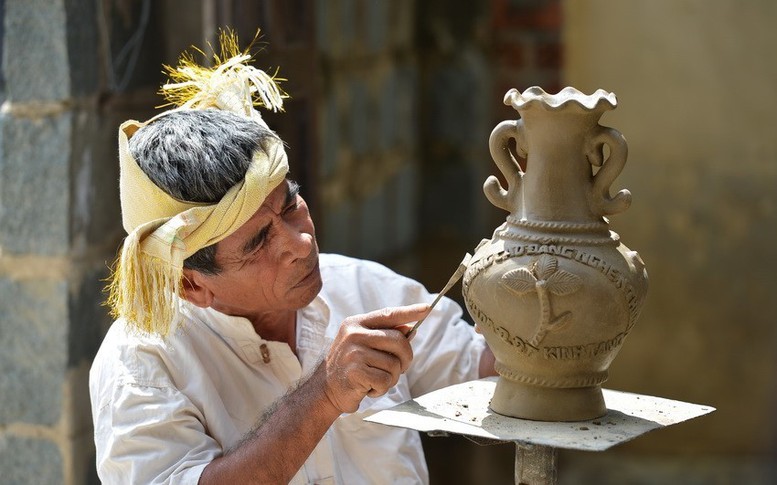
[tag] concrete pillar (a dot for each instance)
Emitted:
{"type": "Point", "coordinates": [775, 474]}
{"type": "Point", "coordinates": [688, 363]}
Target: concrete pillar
{"type": "Point", "coordinates": [53, 245]}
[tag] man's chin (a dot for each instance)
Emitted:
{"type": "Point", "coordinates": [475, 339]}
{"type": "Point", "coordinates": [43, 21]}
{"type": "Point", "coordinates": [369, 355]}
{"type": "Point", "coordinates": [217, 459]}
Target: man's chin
{"type": "Point", "coordinates": [310, 285]}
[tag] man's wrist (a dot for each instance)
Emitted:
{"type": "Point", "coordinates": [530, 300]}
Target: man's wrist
{"type": "Point", "coordinates": [320, 393]}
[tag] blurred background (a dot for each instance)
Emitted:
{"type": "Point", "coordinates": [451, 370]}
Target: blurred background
{"type": "Point", "coordinates": [391, 106]}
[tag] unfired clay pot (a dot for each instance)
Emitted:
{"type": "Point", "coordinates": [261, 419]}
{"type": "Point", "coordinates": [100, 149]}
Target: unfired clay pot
{"type": "Point", "coordinates": [554, 291]}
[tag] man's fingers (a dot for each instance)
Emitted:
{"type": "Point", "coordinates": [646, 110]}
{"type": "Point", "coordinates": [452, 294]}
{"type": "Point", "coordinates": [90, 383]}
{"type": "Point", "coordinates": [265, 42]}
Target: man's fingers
{"type": "Point", "coordinates": [369, 354]}
{"type": "Point", "coordinates": [394, 316]}
{"type": "Point", "coordinates": [390, 344]}
{"type": "Point", "coordinates": [383, 373]}
{"type": "Point", "coordinates": [405, 328]}
{"type": "Point", "coordinates": [381, 382]}
{"type": "Point", "coordinates": [374, 376]}
{"type": "Point", "coordinates": [384, 363]}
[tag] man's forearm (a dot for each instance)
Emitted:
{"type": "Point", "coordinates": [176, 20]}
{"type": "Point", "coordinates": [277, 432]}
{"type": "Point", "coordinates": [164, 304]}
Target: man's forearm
{"type": "Point", "coordinates": [278, 447]}
{"type": "Point", "coordinates": [366, 358]}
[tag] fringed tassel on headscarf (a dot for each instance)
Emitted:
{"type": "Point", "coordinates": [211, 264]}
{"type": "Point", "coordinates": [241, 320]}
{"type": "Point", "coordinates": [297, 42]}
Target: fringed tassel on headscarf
{"type": "Point", "coordinates": [145, 290]}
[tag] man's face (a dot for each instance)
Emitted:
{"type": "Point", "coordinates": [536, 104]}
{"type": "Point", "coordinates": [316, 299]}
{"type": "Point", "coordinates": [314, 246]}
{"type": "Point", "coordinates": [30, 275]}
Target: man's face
{"type": "Point", "coordinates": [270, 264]}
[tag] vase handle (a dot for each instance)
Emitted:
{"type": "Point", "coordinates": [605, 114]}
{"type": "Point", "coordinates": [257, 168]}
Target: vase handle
{"type": "Point", "coordinates": [599, 198]}
{"type": "Point", "coordinates": [499, 146]}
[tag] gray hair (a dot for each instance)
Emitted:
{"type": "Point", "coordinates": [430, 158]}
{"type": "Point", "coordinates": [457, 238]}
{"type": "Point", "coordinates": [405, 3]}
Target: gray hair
{"type": "Point", "coordinates": [197, 156]}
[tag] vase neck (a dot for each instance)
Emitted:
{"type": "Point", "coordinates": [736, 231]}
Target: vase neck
{"type": "Point", "coordinates": [558, 177]}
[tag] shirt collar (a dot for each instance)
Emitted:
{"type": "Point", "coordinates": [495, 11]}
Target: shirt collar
{"type": "Point", "coordinates": [312, 322]}
{"type": "Point", "coordinates": [312, 325]}
{"type": "Point", "coordinates": [238, 328]}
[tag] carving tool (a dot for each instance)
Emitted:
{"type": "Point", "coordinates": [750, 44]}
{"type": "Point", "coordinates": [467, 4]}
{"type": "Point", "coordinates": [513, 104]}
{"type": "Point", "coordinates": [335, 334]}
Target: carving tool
{"type": "Point", "coordinates": [452, 281]}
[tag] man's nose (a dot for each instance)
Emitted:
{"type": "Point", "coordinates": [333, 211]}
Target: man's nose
{"type": "Point", "coordinates": [295, 242]}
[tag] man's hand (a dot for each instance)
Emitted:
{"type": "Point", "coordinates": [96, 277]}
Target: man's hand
{"type": "Point", "coordinates": [369, 354]}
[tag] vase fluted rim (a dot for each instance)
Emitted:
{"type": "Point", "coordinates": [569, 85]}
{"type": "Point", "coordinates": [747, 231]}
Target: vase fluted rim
{"type": "Point", "coordinates": [600, 100]}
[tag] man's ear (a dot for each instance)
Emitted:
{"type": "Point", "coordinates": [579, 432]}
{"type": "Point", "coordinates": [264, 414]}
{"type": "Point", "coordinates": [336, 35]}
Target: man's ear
{"type": "Point", "coordinates": [196, 289]}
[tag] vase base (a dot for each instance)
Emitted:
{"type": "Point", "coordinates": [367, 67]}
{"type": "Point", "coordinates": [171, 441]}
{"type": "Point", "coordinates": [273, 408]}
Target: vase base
{"type": "Point", "coordinates": [525, 401]}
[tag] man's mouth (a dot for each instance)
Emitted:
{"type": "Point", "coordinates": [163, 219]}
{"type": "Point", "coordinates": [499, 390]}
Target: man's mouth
{"type": "Point", "coordinates": [309, 275]}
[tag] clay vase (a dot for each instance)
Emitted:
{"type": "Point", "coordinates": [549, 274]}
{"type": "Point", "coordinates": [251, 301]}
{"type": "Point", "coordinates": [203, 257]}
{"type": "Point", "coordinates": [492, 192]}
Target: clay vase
{"type": "Point", "coordinates": [554, 291]}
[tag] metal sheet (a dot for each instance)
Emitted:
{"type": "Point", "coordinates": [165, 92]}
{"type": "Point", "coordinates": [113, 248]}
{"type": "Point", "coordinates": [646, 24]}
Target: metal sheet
{"type": "Point", "coordinates": [463, 409]}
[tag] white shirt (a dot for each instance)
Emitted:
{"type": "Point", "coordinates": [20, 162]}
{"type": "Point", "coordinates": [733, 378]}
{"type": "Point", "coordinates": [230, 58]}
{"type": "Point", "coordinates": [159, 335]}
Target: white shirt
{"type": "Point", "coordinates": [163, 410]}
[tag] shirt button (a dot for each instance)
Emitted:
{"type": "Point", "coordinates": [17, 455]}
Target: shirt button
{"type": "Point", "coordinates": [265, 353]}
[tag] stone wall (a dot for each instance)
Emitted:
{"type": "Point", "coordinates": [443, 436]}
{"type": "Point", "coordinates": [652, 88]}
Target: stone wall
{"type": "Point", "coordinates": [59, 224]}
{"type": "Point", "coordinates": [51, 241]}
{"type": "Point", "coordinates": [695, 86]}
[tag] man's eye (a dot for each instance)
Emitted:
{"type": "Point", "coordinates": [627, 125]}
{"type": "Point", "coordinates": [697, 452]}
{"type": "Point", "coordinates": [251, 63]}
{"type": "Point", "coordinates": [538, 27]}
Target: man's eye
{"type": "Point", "coordinates": [254, 252]}
{"type": "Point", "coordinates": [260, 240]}
{"type": "Point", "coordinates": [291, 208]}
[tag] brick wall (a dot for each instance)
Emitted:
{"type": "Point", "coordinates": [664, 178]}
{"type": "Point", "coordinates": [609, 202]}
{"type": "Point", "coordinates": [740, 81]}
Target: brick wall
{"type": "Point", "coordinates": [50, 239]}
{"type": "Point", "coordinates": [527, 47]}
{"type": "Point", "coordinates": [59, 225]}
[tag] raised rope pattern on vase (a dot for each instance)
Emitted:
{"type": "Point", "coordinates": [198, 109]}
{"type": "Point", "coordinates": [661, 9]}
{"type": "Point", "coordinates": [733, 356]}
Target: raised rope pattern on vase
{"type": "Point", "coordinates": [613, 240]}
{"type": "Point", "coordinates": [587, 381]}
{"type": "Point", "coordinates": [574, 226]}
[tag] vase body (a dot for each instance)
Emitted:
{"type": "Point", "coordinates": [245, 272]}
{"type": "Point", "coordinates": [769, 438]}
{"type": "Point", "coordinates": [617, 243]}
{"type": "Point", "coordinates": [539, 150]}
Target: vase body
{"type": "Point", "coordinates": [554, 291]}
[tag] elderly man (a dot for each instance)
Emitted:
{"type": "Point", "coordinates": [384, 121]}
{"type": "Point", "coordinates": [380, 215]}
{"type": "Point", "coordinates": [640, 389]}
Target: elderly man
{"type": "Point", "coordinates": [240, 354]}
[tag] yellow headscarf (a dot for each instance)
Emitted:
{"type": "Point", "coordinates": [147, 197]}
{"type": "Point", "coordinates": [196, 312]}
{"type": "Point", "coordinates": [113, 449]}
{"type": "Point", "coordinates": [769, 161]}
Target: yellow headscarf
{"type": "Point", "coordinates": [145, 287]}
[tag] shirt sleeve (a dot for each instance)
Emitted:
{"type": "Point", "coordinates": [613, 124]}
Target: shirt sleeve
{"type": "Point", "coordinates": [146, 430]}
{"type": "Point", "coordinates": [150, 434]}
{"type": "Point", "coordinates": [446, 350]}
